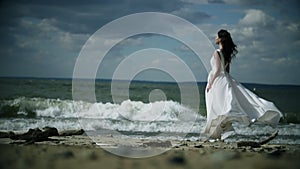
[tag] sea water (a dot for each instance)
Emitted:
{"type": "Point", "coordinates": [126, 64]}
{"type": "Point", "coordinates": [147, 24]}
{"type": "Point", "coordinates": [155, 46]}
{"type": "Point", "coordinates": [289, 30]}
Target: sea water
{"type": "Point", "coordinates": [29, 103]}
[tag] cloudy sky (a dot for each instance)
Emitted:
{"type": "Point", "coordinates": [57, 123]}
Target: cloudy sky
{"type": "Point", "coordinates": [44, 38]}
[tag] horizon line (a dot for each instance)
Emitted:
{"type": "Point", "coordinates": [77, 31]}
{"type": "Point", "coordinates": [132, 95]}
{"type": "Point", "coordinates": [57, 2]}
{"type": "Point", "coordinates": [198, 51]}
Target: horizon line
{"type": "Point", "coordinates": [146, 81]}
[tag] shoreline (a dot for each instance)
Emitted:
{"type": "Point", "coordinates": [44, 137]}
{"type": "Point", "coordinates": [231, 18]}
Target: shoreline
{"type": "Point", "coordinates": [80, 151]}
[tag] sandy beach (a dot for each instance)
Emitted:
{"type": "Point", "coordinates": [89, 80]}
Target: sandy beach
{"type": "Point", "coordinates": [80, 151]}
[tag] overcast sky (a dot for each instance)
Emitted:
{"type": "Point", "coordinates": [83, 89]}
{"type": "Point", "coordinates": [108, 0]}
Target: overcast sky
{"type": "Point", "coordinates": [44, 38]}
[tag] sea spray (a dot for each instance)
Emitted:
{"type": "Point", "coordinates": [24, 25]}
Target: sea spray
{"type": "Point", "coordinates": [160, 116]}
{"type": "Point", "coordinates": [130, 118]}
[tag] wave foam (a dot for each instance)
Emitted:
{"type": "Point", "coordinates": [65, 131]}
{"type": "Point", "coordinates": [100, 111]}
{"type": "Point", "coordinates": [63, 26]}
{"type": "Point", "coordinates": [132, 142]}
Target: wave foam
{"type": "Point", "coordinates": [160, 116]}
{"type": "Point", "coordinates": [130, 110]}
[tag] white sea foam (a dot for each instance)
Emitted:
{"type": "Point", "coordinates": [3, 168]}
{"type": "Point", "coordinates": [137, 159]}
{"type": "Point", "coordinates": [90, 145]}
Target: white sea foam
{"type": "Point", "coordinates": [160, 116]}
{"type": "Point", "coordinates": [137, 111]}
{"type": "Point", "coordinates": [131, 110]}
{"type": "Point", "coordinates": [130, 116]}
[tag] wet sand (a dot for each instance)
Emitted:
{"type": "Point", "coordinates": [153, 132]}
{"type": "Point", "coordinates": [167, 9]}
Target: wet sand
{"type": "Point", "coordinates": [78, 152]}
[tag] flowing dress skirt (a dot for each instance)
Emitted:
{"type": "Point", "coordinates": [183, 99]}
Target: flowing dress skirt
{"type": "Point", "coordinates": [228, 101]}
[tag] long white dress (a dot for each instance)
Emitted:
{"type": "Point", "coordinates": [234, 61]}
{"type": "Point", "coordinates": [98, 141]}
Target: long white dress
{"type": "Point", "coordinates": [228, 101]}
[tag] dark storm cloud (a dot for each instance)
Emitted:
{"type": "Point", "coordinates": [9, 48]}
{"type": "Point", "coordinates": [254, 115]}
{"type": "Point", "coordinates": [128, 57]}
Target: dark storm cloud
{"type": "Point", "coordinates": [192, 16]}
{"type": "Point", "coordinates": [80, 16]}
{"type": "Point", "coordinates": [46, 36]}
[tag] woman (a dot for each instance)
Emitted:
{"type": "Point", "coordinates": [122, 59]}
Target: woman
{"type": "Point", "coordinates": [227, 100]}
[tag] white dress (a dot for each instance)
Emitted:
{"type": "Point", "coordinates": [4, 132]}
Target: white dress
{"type": "Point", "coordinates": [228, 101]}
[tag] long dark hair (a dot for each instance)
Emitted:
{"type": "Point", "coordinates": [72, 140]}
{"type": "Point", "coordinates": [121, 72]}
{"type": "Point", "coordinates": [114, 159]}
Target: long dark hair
{"type": "Point", "coordinates": [229, 48]}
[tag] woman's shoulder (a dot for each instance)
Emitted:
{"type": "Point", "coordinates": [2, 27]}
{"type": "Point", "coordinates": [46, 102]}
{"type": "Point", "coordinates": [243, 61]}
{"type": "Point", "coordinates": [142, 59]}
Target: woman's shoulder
{"type": "Point", "coordinates": [216, 52]}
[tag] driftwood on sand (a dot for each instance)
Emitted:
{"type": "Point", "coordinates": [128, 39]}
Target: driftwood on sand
{"type": "Point", "coordinates": [38, 135]}
{"type": "Point", "coordinates": [71, 132]}
{"type": "Point", "coordinates": [257, 144]}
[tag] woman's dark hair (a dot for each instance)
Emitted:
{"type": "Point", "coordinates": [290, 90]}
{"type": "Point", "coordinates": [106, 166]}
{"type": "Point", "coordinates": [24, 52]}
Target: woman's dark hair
{"type": "Point", "coordinates": [229, 48]}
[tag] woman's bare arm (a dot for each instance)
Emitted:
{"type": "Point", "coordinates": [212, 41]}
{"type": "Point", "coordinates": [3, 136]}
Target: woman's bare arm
{"type": "Point", "coordinates": [217, 70]}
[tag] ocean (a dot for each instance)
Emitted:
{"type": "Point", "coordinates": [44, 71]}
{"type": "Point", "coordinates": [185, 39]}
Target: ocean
{"type": "Point", "coordinates": [38, 102]}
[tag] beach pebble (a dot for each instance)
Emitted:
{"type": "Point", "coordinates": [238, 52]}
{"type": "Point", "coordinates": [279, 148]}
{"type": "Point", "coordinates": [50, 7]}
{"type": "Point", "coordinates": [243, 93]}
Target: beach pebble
{"type": "Point", "coordinates": [158, 144]}
{"type": "Point", "coordinates": [183, 144]}
{"type": "Point", "coordinates": [248, 148]}
{"type": "Point", "coordinates": [198, 146]}
{"type": "Point", "coordinates": [217, 146]}
{"type": "Point", "coordinates": [177, 160]}
{"type": "Point", "coordinates": [231, 147]}
{"type": "Point", "coordinates": [258, 149]}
